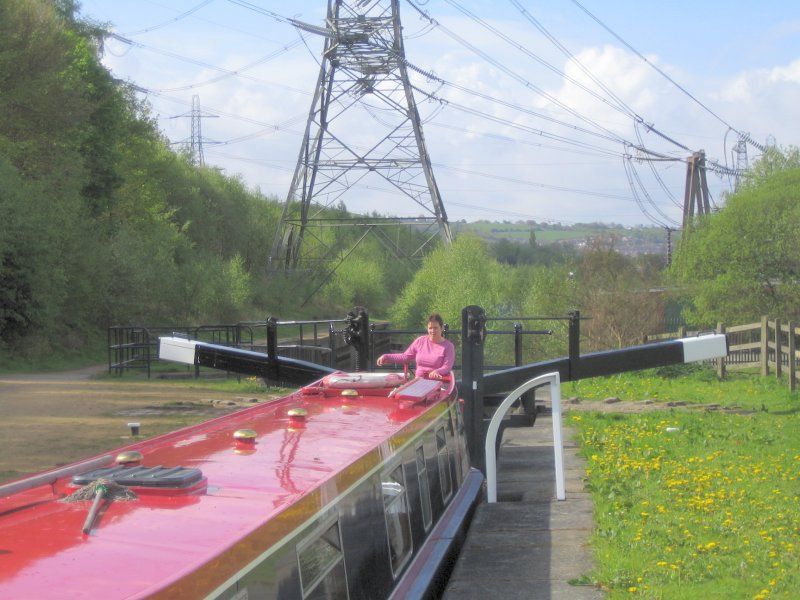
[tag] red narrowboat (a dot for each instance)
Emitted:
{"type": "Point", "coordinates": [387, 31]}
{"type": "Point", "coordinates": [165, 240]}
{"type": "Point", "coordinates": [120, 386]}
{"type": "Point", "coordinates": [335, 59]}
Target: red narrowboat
{"type": "Point", "coordinates": [355, 486]}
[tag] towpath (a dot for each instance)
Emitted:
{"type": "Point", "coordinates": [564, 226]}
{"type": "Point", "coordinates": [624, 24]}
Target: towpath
{"type": "Point", "coordinates": [529, 545]}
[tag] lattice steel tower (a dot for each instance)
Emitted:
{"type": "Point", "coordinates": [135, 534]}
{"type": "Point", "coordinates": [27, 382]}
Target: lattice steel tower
{"type": "Point", "coordinates": [740, 157]}
{"type": "Point", "coordinates": [363, 129]}
{"type": "Point", "coordinates": [196, 140]}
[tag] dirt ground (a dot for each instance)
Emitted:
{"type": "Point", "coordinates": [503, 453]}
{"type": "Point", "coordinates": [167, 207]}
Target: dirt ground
{"type": "Point", "coordinates": [47, 420]}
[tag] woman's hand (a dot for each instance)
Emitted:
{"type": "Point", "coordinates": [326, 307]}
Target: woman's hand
{"type": "Point", "coordinates": [434, 375]}
{"type": "Point", "coordinates": [380, 362]}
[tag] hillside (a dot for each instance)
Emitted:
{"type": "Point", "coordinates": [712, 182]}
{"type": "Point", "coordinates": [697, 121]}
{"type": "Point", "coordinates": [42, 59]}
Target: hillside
{"type": "Point", "coordinates": [634, 240]}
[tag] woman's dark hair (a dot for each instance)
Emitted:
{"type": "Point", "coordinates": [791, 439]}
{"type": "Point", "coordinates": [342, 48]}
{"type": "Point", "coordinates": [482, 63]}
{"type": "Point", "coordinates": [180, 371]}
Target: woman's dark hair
{"type": "Point", "coordinates": [436, 317]}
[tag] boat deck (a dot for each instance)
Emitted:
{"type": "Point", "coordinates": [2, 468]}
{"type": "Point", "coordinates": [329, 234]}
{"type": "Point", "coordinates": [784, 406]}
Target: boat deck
{"type": "Point", "coordinates": [297, 466]}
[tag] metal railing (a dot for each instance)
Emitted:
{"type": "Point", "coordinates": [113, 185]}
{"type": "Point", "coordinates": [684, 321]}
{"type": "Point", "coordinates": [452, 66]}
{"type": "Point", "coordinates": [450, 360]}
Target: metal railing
{"type": "Point", "coordinates": [318, 341]}
{"type": "Point", "coordinates": [381, 342]}
{"type": "Point", "coordinates": [490, 444]}
{"type": "Point", "coordinates": [136, 347]}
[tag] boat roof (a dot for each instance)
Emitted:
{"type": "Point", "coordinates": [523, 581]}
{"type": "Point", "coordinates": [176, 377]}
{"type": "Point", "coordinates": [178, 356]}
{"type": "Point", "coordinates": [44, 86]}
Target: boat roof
{"type": "Point", "coordinates": [143, 547]}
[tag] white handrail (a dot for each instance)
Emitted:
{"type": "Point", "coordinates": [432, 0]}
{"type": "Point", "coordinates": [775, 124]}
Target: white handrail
{"type": "Point", "coordinates": [494, 425]}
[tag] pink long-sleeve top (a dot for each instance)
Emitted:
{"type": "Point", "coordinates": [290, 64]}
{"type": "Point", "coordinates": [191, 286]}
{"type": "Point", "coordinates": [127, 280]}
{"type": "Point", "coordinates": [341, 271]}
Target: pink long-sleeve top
{"type": "Point", "coordinates": [429, 356]}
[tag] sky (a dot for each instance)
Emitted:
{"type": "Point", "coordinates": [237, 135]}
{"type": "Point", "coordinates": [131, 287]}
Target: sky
{"type": "Point", "coordinates": [734, 66]}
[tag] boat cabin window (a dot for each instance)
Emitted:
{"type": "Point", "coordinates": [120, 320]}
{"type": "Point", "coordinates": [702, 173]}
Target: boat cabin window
{"type": "Point", "coordinates": [424, 489]}
{"type": "Point", "coordinates": [444, 464]}
{"type": "Point", "coordinates": [322, 574]}
{"type": "Point", "coordinates": [398, 525]}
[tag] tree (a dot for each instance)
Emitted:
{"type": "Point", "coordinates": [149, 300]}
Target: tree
{"type": "Point", "coordinates": [450, 279]}
{"type": "Point", "coordinates": [744, 261]}
{"type": "Point", "coordinates": [543, 292]}
{"type": "Point", "coordinates": [616, 293]}
{"type": "Point", "coordinates": [771, 162]}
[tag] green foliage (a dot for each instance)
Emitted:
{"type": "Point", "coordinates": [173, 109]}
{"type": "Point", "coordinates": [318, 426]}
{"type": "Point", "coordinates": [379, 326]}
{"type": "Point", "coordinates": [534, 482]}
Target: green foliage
{"type": "Point", "coordinates": [357, 283]}
{"type": "Point", "coordinates": [773, 161]}
{"type": "Point", "coordinates": [615, 291]}
{"type": "Point", "coordinates": [695, 505]}
{"type": "Point", "coordinates": [104, 224]}
{"type": "Point", "coordinates": [744, 261]}
{"type": "Point", "coordinates": [513, 253]}
{"type": "Point", "coordinates": [542, 292]}
{"type": "Point", "coordinates": [693, 384]}
{"type": "Point", "coordinates": [450, 279]}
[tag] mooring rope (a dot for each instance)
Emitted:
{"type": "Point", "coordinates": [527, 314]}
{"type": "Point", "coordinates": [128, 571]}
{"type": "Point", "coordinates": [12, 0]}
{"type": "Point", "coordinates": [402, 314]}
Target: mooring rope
{"type": "Point", "coordinates": [97, 491]}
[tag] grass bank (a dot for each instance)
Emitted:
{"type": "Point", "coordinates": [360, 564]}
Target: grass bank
{"type": "Point", "coordinates": [44, 358]}
{"type": "Point", "coordinates": [694, 504]}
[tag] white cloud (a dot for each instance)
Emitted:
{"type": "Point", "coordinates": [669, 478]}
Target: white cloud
{"type": "Point", "coordinates": [760, 101]}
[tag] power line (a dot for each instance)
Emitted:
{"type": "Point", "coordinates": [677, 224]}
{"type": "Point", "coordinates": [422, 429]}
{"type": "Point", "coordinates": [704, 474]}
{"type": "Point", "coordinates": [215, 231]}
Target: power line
{"type": "Point", "coordinates": [515, 76]}
{"type": "Point", "coordinates": [196, 17]}
{"type": "Point", "coordinates": [239, 71]}
{"type": "Point", "coordinates": [637, 199]}
{"type": "Point", "coordinates": [609, 134]}
{"type": "Point", "coordinates": [663, 74]}
{"type": "Point", "coordinates": [621, 107]}
{"type": "Point", "coordinates": [546, 186]}
{"type": "Point", "coordinates": [216, 111]}
{"type": "Point", "coordinates": [200, 63]}
{"type": "Point", "coordinates": [658, 178]}
{"type": "Point", "coordinates": [183, 15]}
{"type": "Point", "coordinates": [263, 11]}
{"type": "Point", "coordinates": [667, 220]}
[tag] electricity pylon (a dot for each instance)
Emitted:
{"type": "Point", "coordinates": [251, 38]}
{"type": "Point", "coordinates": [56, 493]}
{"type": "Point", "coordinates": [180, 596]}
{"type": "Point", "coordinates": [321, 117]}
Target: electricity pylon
{"type": "Point", "coordinates": [696, 196]}
{"type": "Point", "coordinates": [196, 146]}
{"type": "Point", "coordinates": [196, 138]}
{"type": "Point", "coordinates": [740, 157]}
{"type": "Point", "coordinates": [363, 131]}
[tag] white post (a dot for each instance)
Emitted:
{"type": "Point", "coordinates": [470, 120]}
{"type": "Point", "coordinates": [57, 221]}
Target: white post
{"type": "Point", "coordinates": [494, 426]}
{"type": "Point", "coordinates": [558, 441]}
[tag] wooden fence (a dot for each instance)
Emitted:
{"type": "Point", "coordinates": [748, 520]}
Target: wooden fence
{"type": "Point", "coordinates": [770, 345]}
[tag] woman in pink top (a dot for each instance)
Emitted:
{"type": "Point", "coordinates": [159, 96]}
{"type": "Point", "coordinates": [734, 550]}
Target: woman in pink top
{"type": "Point", "coordinates": [433, 355]}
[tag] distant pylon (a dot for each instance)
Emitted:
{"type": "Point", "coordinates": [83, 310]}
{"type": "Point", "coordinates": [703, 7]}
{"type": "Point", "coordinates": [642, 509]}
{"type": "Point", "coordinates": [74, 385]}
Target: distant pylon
{"type": "Point", "coordinates": [740, 158]}
{"type": "Point", "coordinates": [196, 146]}
{"type": "Point", "coordinates": [196, 138]}
{"type": "Point", "coordinates": [363, 130]}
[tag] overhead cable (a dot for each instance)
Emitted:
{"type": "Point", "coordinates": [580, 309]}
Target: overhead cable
{"type": "Point", "coordinates": [517, 77]}
{"type": "Point", "coordinates": [183, 15]}
{"type": "Point", "coordinates": [626, 164]}
{"type": "Point", "coordinates": [667, 221]}
{"type": "Point", "coordinates": [546, 186]}
{"type": "Point", "coordinates": [200, 63]}
{"type": "Point", "coordinates": [620, 106]}
{"type": "Point", "coordinates": [261, 10]}
{"type": "Point", "coordinates": [623, 106]}
{"type": "Point", "coordinates": [657, 176]}
{"type": "Point", "coordinates": [239, 71]}
{"type": "Point", "coordinates": [667, 77]}
{"type": "Point", "coordinates": [518, 126]}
